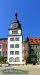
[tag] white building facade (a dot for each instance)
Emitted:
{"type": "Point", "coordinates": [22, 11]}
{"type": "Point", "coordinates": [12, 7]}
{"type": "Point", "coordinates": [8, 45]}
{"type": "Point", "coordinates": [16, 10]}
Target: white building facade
{"type": "Point", "coordinates": [15, 43]}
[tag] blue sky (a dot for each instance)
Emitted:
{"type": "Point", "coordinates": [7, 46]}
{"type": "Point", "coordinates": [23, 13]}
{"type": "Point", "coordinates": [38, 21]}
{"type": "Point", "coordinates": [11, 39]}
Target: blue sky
{"type": "Point", "coordinates": [28, 15]}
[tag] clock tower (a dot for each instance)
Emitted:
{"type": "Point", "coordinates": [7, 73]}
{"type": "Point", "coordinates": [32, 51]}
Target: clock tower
{"type": "Point", "coordinates": [15, 42]}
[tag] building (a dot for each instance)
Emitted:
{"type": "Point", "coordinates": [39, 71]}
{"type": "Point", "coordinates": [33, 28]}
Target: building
{"type": "Point", "coordinates": [25, 50]}
{"type": "Point", "coordinates": [34, 43]}
{"type": "Point", "coordinates": [15, 42]}
{"type": "Point", "coordinates": [18, 51]}
{"type": "Point", "coordinates": [3, 47]}
{"type": "Point", "coordinates": [33, 51]}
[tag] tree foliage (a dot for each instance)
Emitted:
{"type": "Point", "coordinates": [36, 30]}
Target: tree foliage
{"type": "Point", "coordinates": [1, 58]}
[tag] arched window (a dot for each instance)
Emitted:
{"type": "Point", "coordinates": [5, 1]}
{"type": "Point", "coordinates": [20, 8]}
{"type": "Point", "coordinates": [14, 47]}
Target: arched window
{"type": "Point", "coordinates": [17, 59]}
{"type": "Point", "coordinates": [11, 59]}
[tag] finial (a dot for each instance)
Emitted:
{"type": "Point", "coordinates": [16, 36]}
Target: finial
{"type": "Point", "coordinates": [16, 15]}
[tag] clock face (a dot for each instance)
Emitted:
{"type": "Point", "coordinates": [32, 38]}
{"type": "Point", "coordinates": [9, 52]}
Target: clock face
{"type": "Point", "coordinates": [15, 25]}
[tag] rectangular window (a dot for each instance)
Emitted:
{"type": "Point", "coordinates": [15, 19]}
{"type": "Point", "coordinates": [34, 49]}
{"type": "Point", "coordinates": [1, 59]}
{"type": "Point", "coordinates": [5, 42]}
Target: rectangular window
{"type": "Point", "coordinates": [36, 46]}
{"type": "Point", "coordinates": [32, 46]}
{"type": "Point", "coordinates": [0, 46]}
{"type": "Point", "coordinates": [17, 52]}
{"type": "Point", "coordinates": [4, 53]}
{"type": "Point", "coordinates": [16, 45]}
{"type": "Point", "coordinates": [33, 53]}
{"type": "Point", "coordinates": [5, 40]}
{"type": "Point", "coordinates": [25, 52]}
{"type": "Point", "coordinates": [5, 46]}
{"type": "Point", "coordinates": [0, 40]}
{"type": "Point", "coordinates": [31, 39]}
{"type": "Point", "coordinates": [35, 39]}
{"type": "Point", "coordinates": [16, 39]}
{"type": "Point", "coordinates": [33, 59]}
{"type": "Point", "coordinates": [11, 39]}
{"type": "Point", "coordinates": [0, 52]}
{"type": "Point", "coordinates": [37, 53]}
{"type": "Point", "coordinates": [11, 52]}
{"type": "Point", "coordinates": [14, 32]}
{"type": "Point", "coordinates": [11, 45]}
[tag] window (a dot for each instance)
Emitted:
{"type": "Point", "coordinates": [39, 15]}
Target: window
{"type": "Point", "coordinates": [37, 53]}
{"type": "Point", "coordinates": [32, 46]}
{"type": "Point", "coordinates": [12, 46]}
{"type": "Point", "coordinates": [0, 46]}
{"type": "Point", "coordinates": [11, 52]}
{"type": "Point", "coordinates": [4, 53]}
{"type": "Point", "coordinates": [0, 52]}
{"type": "Point", "coordinates": [33, 59]}
{"type": "Point", "coordinates": [33, 53]}
{"type": "Point", "coordinates": [11, 59]}
{"type": "Point", "coordinates": [16, 39]}
{"type": "Point", "coordinates": [14, 32]}
{"type": "Point", "coordinates": [35, 39]}
{"type": "Point", "coordinates": [0, 40]}
{"type": "Point", "coordinates": [11, 39]}
{"type": "Point", "coordinates": [36, 46]}
{"type": "Point", "coordinates": [17, 52]}
{"type": "Point", "coordinates": [5, 40]}
{"type": "Point", "coordinates": [31, 39]}
{"type": "Point", "coordinates": [16, 45]}
{"type": "Point", "coordinates": [5, 46]}
{"type": "Point", "coordinates": [17, 59]}
{"type": "Point", "coordinates": [25, 52]}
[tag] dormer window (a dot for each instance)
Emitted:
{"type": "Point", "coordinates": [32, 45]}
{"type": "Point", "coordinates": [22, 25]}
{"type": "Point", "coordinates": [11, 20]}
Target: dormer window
{"type": "Point", "coordinates": [35, 39]}
{"type": "Point", "coordinates": [31, 39]}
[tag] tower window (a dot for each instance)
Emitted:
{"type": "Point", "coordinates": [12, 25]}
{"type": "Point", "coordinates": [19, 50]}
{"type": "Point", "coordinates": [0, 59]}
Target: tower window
{"type": "Point", "coordinates": [17, 52]}
{"type": "Point", "coordinates": [11, 59]}
{"type": "Point", "coordinates": [11, 52]}
{"type": "Point", "coordinates": [14, 32]}
{"type": "Point", "coordinates": [16, 45]}
{"type": "Point", "coordinates": [11, 45]}
{"type": "Point", "coordinates": [11, 39]}
{"type": "Point", "coordinates": [17, 59]}
{"type": "Point", "coordinates": [16, 39]}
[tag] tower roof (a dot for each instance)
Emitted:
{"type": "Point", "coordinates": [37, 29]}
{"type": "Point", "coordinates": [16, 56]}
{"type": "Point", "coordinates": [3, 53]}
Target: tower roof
{"type": "Point", "coordinates": [15, 23]}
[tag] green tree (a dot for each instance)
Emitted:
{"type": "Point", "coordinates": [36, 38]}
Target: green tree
{"type": "Point", "coordinates": [1, 58]}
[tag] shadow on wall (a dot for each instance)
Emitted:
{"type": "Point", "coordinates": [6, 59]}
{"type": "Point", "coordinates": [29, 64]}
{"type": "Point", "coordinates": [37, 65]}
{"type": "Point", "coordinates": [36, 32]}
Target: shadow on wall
{"type": "Point", "coordinates": [32, 59]}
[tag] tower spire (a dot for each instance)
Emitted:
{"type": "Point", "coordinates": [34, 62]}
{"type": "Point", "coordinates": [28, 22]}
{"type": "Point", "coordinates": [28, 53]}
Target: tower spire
{"type": "Point", "coordinates": [16, 15]}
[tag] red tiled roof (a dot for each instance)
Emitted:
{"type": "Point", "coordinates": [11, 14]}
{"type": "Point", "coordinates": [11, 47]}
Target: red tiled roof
{"type": "Point", "coordinates": [34, 40]}
{"type": "Point", "coordinates": [3, 38]}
